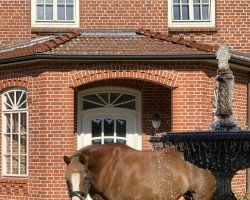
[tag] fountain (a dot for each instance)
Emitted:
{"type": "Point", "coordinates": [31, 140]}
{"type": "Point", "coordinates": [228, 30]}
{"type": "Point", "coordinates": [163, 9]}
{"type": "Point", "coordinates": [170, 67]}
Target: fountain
{"type": "Point", "coordinates": [223, 150]}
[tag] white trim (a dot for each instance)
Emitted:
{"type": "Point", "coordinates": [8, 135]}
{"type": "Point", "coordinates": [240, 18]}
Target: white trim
{"type": "Point", "coordinates": [135, 139]}
{"type": "Point", "coordinates": [54, 23]}
{"type": "Point", "coordinates": [191, 23]}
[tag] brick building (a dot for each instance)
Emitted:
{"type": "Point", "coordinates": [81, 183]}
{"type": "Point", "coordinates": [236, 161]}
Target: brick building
{"type": "Point", "coordinates": [77, 72]}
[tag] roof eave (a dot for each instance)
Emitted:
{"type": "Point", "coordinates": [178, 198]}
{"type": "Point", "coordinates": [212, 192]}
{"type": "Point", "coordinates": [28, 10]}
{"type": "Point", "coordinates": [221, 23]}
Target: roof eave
{"type": "Point", "coordinates": [235, 62]}
{"type": "Point", "coordinates": [38, 56]}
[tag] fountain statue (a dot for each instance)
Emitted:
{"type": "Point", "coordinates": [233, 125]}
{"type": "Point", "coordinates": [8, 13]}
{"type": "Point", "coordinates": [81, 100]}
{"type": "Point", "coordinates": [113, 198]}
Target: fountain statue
{"type": "Point", "coordinates": [225, 148]}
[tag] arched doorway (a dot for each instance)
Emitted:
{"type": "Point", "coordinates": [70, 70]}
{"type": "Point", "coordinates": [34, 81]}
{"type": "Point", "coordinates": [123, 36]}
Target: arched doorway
{"type": "Point", "coordinates": [109, 115]}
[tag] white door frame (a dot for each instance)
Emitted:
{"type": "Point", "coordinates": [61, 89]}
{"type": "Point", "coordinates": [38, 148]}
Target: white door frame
{"type": "Point", "coordinates": [133, 117]}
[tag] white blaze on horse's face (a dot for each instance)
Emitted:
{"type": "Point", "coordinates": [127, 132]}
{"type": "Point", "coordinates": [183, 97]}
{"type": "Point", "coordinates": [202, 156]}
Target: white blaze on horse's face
{"type": "Point", "coordinates": [75, 181]}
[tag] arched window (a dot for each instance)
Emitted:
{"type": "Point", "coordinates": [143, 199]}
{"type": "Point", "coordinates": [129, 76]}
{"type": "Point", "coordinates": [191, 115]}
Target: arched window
{"type": "Point", "coordinates": [15, 132]}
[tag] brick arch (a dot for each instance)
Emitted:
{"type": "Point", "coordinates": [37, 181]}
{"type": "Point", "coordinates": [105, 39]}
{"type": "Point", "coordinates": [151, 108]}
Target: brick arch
{"type": "Point", "coordinates": [16, 78]}
{"type": "Point", "coordinates": [145, 73]}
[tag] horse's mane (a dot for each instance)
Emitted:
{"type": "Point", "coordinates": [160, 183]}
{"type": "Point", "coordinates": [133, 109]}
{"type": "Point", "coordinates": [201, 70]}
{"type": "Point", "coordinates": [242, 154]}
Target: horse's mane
{"type": "Point", "coordinates": [84, 150]}
{"type": "Point", "coordinates": [87, 149]}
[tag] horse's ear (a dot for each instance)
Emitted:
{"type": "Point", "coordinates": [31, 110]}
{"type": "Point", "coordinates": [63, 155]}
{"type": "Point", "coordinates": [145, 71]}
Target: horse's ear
{"type": "Point", "coordinates": [82, 159]}
{"type": "Point", "coordinates": [66, 159]}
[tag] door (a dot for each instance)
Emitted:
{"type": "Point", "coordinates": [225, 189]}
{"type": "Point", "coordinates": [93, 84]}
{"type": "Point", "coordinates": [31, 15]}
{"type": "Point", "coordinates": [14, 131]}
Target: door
{"type": "Point", "coordinates": [109, 117]}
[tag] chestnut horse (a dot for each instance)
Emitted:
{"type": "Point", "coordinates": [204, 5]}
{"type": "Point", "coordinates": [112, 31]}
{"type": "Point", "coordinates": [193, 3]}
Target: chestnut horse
{"type": "Point", "coordinates": [118, 172]}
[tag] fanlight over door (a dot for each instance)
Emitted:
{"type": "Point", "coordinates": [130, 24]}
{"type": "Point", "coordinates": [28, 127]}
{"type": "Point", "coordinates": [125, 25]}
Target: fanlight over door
{"type": "Point", "coordinates": [109, 117]}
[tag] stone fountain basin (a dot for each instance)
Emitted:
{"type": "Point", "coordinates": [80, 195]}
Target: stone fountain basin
{"type": "Point", "coordinates": [218, 151]}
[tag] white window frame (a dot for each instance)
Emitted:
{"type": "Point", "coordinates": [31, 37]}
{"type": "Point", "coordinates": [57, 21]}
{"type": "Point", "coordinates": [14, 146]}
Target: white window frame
{"type": "Point", "coordinates": [55, 23]}
{"type": "Point", "coordinates": [135, 140]}
{"type": "Point", "coordinates": [191, 23]}
{"type": "Point", "coordinates": [4, 143]}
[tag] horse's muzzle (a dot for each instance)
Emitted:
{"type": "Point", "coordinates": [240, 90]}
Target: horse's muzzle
{"type": "Point", "coordinates": [79, 194]}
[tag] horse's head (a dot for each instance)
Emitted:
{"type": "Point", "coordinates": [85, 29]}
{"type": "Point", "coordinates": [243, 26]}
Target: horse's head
{"type": "Point", "coordinates": [77, 177]}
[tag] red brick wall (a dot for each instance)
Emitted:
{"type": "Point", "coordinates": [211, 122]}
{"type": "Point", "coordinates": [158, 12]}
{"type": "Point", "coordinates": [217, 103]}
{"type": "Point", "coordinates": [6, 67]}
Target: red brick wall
{"type": "Point", "coordinates": [232, 20]}
{"type": "Point", "coordinates": [15, 24]}
{"type": "Point", "coordinates": [52, 114]}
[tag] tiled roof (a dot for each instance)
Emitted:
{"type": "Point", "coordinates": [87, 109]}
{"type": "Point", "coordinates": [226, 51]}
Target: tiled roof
{"type": "Point", "coordinates": [142, 42]}
{"type": "Point", "coordinates": [31, 49]}
{"type": "Point", "coordinates": [177, 40]}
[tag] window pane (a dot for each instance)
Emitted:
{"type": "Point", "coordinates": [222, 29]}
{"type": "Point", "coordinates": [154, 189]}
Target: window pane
{"type": "Point", "coordinates": [61, 12]}
{"type": "Point", "coordinates": [97, 141]}
{"type": "Point", "coordinates": [104, 96]}
{"type": "Point", "coordinates": [23, 119]}
{"type": "Point", "coordinates": [40, 1]}
{"type": "Point", "coordinates": [108, 127]}
{"type": "Point", "coordinates": [49, 1]}
{"type": "Point", "coordinates": [15, 123]}
{"type": "Point", "coordinates": [15, 161]}
{"type": "Point", "coordinates": [108, 141]}
{"type": "Point", "coordinates": [197, 14]}
{"type": "Point", "coordinates": [7, 157]}
{"type": "Point", "coordinates": [124, 98]}
{"type": "Point", "coordinates": [96, 127]}
{"type": "Point", "coordinates": [205, 1]}
{"type": "Point", "coordinates": [69, 1]}
{"type": "Point", "coordinates": [69, 13]}
{"type": "Point", "coordinates": [177, 15]}
{"type": "Point", "coordinates": [23, 144]}
{"type": "Point", "coordinates": [87, 105]}
{"type": "Point", "coordinates": [130, 105]}
{"type": "Point", "coordinates": [184, 1]}
{"type": "Point", "coordinates": [11, 98]}
{"type": "Point", "coordinates": [23, 101]}
{"type": "Point", "coordinates": [92, 97]}
{"type": "Point", "coordinates": [121, 141]}
{"type": "Point", "coordinates": [8, 123]}
{"type": "Point", "coordinates": [23, 164]}
{"type": "Point", "coordinates": [185, 13]}
{"type": "Point", "coordinates": [61, 1]}
{"type": "Point", "coordinates": [15, 142]}
{"type": "Point", "coordinates": [49, 12]}
{"type": "Point", "coordinates": [176, 1]}
{"type": "Point", "coordinates": [40, 13]}
{"type": "Point", "coordinates": [121, 128]}
{"type": "Point", "coordinates": [196, 1]}
{"type": "Point", "coordinates": [113, 96]}
{"type": "Point", "coordinates": [205, 12]}
{"type": "Point", "coordinates": [8, 143]}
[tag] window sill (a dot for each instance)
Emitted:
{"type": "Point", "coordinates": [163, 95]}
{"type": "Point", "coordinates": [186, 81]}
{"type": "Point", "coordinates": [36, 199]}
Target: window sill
{"type": "Point", "coordinates": [14, 180]}
{"type": "Point", "coordinates": [211, 30]}
{"type": "Point", "coordinates": [50, 31]}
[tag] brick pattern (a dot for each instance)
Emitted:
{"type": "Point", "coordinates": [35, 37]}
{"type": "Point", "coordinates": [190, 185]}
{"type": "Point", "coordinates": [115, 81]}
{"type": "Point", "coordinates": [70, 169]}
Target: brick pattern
{"type": "Point", "coordinates": [14, 189]}
{"type": "Point", "coordinates": [15, 23]}
{"type": "Point", "coordinates": [143, 72]}
{"type": "Point", "coordinates": [232, 21]}
{"type": "Point", "coordinates": [52, 114]}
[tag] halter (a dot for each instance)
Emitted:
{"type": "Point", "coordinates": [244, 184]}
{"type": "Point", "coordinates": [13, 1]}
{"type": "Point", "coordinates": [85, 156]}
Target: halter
{"type": "Point", "coordinates": [79, 194]}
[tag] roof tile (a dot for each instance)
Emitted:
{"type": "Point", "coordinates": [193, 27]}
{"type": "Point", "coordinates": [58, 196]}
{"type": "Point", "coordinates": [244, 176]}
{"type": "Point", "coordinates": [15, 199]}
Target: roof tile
{"type": "Point", "coordinates": [178, 40]}
{"type": "Point", "coordinates": [144, 42]}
